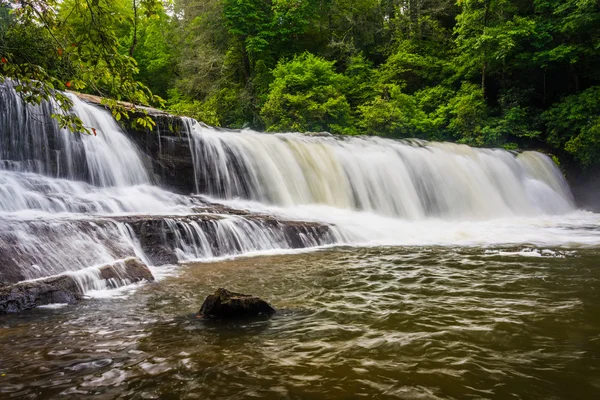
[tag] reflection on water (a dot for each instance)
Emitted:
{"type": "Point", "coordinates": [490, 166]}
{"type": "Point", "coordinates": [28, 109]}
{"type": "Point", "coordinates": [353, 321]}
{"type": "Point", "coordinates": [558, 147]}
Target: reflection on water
{"type": "Point", "coordinates": [355, 323]}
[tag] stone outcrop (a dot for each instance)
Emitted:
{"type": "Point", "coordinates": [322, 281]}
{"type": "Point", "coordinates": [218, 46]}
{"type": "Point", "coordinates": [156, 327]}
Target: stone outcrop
{"type": "Point", "coordinates": [585, 187]}
{"type": "Point", "coordinates": [70, 288]}
{"type": "Point", "coordinates": [224, 304]}
{"type": "Point", "coordinates": [124, 272]}
{"type": "Point", "coordinates": [158, 236]}
{"type": "Point", "coordinates": [30, 294]}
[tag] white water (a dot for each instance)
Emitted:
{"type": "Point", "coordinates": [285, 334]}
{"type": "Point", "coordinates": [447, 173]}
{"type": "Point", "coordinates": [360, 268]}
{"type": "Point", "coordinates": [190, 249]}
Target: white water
{"type": "Point", "coordinates": [407, 179]}
{"type": "Point", "coordinates": [59, 191]}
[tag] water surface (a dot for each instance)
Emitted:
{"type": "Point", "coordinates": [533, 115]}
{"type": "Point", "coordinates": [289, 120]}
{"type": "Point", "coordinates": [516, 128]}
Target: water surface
{"type": "Point", "coordinates": [387, 322]}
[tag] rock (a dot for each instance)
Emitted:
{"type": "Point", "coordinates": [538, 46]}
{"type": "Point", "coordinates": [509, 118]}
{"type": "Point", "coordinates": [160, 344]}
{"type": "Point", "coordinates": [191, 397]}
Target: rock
{"type": "Point", "coordinates": [30, 294]}
{"type": "Point", "coordinates": [131, 269]}
{"type": "Point", "coordinates": [229, 305]}
{"type": "Point", "coordinates": [70, 288]}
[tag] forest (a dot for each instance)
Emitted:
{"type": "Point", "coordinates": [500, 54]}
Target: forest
{"type": "Point", "coordinates": [517, 74]}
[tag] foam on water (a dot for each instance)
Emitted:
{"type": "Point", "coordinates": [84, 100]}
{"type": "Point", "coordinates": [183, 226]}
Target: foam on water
{"type": "Point", "coordinates": [576, 228]}
{"type": "Point", "coordinates": [53, 306]}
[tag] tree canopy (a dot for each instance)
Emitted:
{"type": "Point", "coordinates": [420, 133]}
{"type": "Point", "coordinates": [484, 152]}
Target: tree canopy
{"type": "Point", "coordinates": [510, 73]}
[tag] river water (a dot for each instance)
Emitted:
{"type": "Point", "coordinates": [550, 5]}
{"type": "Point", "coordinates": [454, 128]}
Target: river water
{"type": "Point", "coordinates": [380, 322]}
{"type": "Point", "coordinates": [445, 272]}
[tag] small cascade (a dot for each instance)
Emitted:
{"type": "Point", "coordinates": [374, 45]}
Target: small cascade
{"type": "Point", "coordinates": [23, 191]}
{"type": "Point", "coordinates": [31, 141]}
{"type": "Point", "coordinates": [408, 179]}
{"type": "Point", "coordinates": [35, 248]}
{"type": "Point", "coordinates": [234, 235]}
{"type": "Point", "coordinates": [39, 247]}
{"type": "Point", "coordinates": [112, 159]}
{"type": "Point", "coordinates": [117, 274]}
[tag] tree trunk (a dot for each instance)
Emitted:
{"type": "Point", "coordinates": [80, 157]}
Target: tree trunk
{"type": "Point", "coordinates": [246, 61]}
{"type": "Point", "coordinates": [484, 68]}
{"type": "Point", "coordinates": [134, 41]}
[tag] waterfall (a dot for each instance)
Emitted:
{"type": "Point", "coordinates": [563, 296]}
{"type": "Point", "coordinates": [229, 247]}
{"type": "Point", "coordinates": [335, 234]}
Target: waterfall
{"type": "Point", "coordinates": [33, 142]}
{"type": "Point", "coordinates": [70, 201]}
{"type": "Point", "coordinates": [408, 179]}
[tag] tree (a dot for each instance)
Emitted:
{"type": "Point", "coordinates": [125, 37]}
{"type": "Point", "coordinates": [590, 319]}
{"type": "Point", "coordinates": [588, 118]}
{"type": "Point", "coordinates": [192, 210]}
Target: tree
{"type": "Point", "coordinates": [394, 114]}
{"type": "Point", "coordinates": [307, 95]}
{"type": "Point", "coordinates": [574, 124]}
{"type": "Point", "coordinates": [83, 36]}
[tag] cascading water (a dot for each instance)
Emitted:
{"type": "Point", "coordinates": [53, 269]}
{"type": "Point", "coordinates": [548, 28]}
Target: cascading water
{"type": "Point", "coordinates": [33, 142]}
{"type": "Point", "coordinates": [407, 179]}
{"type": "Point", "coordinates": [70, 201]}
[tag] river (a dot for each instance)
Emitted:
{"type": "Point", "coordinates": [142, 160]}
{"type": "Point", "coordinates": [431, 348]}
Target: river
{"type": "Point", "coordinates": [382, 322]}
{"type": "Point", "coordinates": [400, 268]}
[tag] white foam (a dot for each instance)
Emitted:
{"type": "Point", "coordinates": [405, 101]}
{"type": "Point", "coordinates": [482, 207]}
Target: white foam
{"type": "Point", "coordinates": [53, 306]}
{"type": "Point", "coordinates": [260, 253]}
{"type": "Point", "coordinates": [115, 293]}
{"type": "Point", "coordinates": [577, 228]}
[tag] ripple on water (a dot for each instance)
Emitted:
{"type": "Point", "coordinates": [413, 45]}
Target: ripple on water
{"type": "Point", "coordinates": [374, 323]}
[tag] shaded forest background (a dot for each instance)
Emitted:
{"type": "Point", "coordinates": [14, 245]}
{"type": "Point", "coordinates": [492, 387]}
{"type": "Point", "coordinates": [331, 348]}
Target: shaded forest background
{"type": "Point", "coordinates": [495, 73]}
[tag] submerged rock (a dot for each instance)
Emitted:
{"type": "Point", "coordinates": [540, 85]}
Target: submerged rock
{"type": "Point", "coordinates": [70, 288]}
{"type": "Point", "coordinates": [224, 304]}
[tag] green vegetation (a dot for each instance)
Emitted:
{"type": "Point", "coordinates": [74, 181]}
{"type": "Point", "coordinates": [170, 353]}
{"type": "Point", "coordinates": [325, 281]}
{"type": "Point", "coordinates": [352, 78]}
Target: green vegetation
{"type": "Point", "coordinates": [509, 73]}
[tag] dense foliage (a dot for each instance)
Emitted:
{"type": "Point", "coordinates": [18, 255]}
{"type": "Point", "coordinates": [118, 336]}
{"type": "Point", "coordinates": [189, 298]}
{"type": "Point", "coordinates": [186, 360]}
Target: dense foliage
{"type": "Point", "coordinates": [511, 73]}
{"type": "Point", "coordinates": [84, 45]}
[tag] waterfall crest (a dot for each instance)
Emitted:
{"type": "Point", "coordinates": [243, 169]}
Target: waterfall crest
{"type": "Point", "coordinates": [407, 179]}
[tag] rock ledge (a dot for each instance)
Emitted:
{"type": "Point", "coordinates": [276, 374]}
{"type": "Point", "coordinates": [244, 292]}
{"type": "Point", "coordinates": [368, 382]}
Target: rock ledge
{"type": "Point", "coordinates": [71, 287]}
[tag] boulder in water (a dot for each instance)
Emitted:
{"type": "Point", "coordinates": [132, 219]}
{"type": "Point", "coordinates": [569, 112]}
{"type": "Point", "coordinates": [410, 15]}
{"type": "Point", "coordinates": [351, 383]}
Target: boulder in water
{"type": "Point", "coordinates": [29, 294]}
{"type": "Point", "coordinates": [224, 304]}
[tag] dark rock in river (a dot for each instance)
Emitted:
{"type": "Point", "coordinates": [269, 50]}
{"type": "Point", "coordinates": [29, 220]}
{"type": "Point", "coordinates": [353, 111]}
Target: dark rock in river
{"type": "Point", "coordinates": [229, 305]}
{"type": "Point", "coordinates": [70, 288]}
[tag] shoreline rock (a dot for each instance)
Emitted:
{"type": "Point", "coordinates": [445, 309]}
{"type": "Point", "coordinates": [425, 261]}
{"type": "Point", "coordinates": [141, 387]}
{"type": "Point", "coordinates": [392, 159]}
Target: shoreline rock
{"type": "Point", "coordinates": [70, 288]}
{"type": "Point", "coordinates": [224, 304]}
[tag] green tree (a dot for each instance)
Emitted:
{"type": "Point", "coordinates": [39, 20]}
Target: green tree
{"type": "Point", "coordinates": [465, 116]}
{"type": "Point", "coordinates": [394, 114]}
{"type": "Point", "coordinates": [83, 35]}
{"type": "Point", "coordinates": [307, 95]}
{"type": "Point", "coordinates": [574, 125]}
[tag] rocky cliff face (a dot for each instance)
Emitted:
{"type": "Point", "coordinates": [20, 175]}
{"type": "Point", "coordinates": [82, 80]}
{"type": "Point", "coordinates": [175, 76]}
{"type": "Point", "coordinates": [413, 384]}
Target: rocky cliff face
{"type": "Point", "coordinates": [585, 186]}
